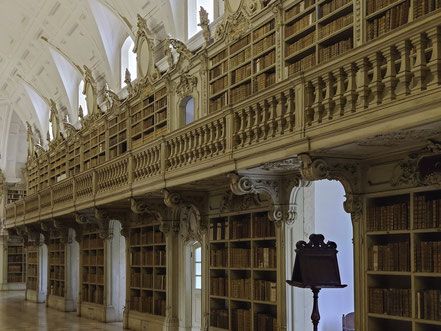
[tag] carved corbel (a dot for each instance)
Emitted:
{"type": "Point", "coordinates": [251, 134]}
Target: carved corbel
{"type": "Point", "coordinates": [100, 219]}
{"type": "Point", "coordinates": [63, 230]}
{"type": "Point", "coordinates": [277, 187]}
{"type": "Point", "coordinates": [139, 207]}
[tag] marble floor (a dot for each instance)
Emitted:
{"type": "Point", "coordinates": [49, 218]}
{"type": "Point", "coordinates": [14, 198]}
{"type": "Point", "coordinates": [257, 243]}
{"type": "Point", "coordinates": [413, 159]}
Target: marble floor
{"type": "Point", "coordinates": [19, 315]}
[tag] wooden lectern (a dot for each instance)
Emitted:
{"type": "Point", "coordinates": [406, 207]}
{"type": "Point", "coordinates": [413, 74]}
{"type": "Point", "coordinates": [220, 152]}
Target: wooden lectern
{"type": "Point", "coordinates": [316, 267]}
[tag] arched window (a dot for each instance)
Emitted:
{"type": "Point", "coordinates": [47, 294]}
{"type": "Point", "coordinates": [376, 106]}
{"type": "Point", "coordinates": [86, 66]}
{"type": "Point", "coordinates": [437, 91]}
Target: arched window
{"type": "Point", "coordinates": [128, 60]}
{"type": "Point", "coordinates": [189, 111]}
{"type": "Point", "coordinates": [82, 98]}
{"type": "Point", "coordinates": [193, 7]}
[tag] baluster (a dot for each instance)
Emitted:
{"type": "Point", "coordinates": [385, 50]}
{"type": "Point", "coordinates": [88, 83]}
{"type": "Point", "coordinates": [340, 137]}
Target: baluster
{"type": "Point", "coordinates": [376, 85]}
{"type": "Point", "coordinates": [317, 105]}
{"type": "Point", "coordinates": [291, 110]}
{"type": "Point", "coordinates": [224, 134]}
{"type": "Point", "coordinates": [339, 99]}
{"type": "Point", "coordinates": [434, 64]}
{"type": "Point", "coordinates": [242, 131]}
{"type": "Point", "coordinates": [251, 125]}
{"type": "Point", "coordinates": [404, 75]}
{"type": "Point", "coordinates": [266, 118]}
{"type": "Point", "coordinates": [207, 141]}
{"type": "Point", "coordinates": [258, 123]}
{"type": "Point", "coordinates": [390, 78]}
{"type": "Point", "coordinates": [171, 157]}
{"type": "Point", "coordinates": [197, 133]}
{"type": "Point", "coordinates": [273, 116]}
{"type": "Point", "coordinates": [363, 83]}
{"type": "Point", "coordinates": [309, 100]}
{"type": "Point", "coordinates": [282, 122]}
{"type": "Point", "coordinates": [419, 69]}
{"type": "Point", "coordinates": [328, 101]}
{"type": "Point", "coordinates": [217, 137]}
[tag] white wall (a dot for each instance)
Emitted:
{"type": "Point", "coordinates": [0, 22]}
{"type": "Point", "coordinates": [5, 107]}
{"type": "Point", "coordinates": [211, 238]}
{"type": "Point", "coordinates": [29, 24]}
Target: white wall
{"type": "Point", "coordinates": [335, 224]}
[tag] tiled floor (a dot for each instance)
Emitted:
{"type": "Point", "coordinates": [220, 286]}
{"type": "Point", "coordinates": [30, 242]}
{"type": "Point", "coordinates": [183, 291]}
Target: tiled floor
{"type": "Point", "coordinates": [20, 315]}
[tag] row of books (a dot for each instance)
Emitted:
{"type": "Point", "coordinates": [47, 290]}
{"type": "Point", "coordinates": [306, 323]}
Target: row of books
{"type": "Point", "coordinates": [59, 259]}
{"type": "Point", "coordinates": [219, 257]}
{"type": "Point", "coordinates": [423, 7]}
{"type": "Point", "coordinates": [161, 103]}
{"type": "Point", "coordinates": [92, 243]}
{"type": "Point", "coordinates": [93, 294]}
{"type": "Point", "coordinates": [240, 257]}
{"type": "Point", "coordinates": [429, 305]}
{"type": "Point", "coordinates": [32, 270]}
{"type": "Point", "coordinates": [335, 25]}
{"type": "Point", "coordinates": [264, 80]}
{"type": "Point", "coordinates": [148, 257]}
{"type": "Point", "coordinates": [240, 44]}
{"type": "Point", "coordinates": [333, 5]}
{"type": "Point", "coordinates": [426, 213]}
{"type": "Point", "coordinates": [219, 286]}
{"type": "Point", "coordinates": [161, 116]}
{"type": "Point", "coordinates": [57, 289]}
{"type": "Point", "coordinates": [57, 274]}
{"type": "Point", "coordinates": [146, 237]}
{"type": "Point", "coordinates": [14, 268]}
{"type": "Point", "coordinates": [219, 70]}
{"type": "Point", "coordinates": [336, 49]}
{"type": "Point", "coordinates": [55, 246]}
{"type": "Point", "coordinates": [219, 102]}
{"type": "Point", "coordinates": [241, 288]}
{"type": "Point", "coordinates": [386, 218]}
{"type": "Point", "coordinates": [391, 20]}
{"type": "Point", "coordinates": [265, 322]}
{"type": "Point", "coordinates": [263, 30]}
{"type": "Point", "coordinates": [389, 257]}
{"type": "Point", "coordinates": [264, 44]}
{"type": "Point", "coordinates": [219, 318]}
{"type": "Point", "coordinates": [93, 260]}
{"type": "Point", "coordinates": [263, 227]}
{"type": "Point", "coordinates": [160, 281]}
{"type": "Point", "coordinates": [97, 278]}
{"type": "Point", "coordinates": [31, 284]}
{"type": "Point", "coordinates": [144, 304]}
{"type": "Point", "coordinates": [428, 256]}
{"type": "Point", "coordinates": [300, 24]}
{"type": "Point", "coordinates": [241, 319]}
{"type": "Point", "coordinates": [374, 5]}
{"type": "Point", "coordinates": [265, 290]}
{"type": "Point", "coordinates": [265, 257]}
{"type": "Point", "coordinates": [300, 44]}
{"type": "Point", "coordinates": [264, 61]}
{"type": "Point", "coordinates": [15, 258]}
{"type": "Point", "coordinates": [241, 73]}
{"type": "Point", "coordinates": [303, 64]}
{"type": "Point", "coordinates": [240, 58]}
{"type": "Point", "coordinates": [241, 92]}
{"type": "Point", "coordinates": [298, 8]}
{"type": "Point", "coordinates": [218, 58]}
{"type": "Point", "coordinates": [218, 230]}
{"type": "Point", "coordinates": [390, 301]}
{"type": "Point", "coordinates": [15, 278]}
{"type": "Point", "coordinates": [218, 85]}
{"type": "Point", "coordinates": [241, 228]}
{"type": "Point", "coordinates": [15, 249]}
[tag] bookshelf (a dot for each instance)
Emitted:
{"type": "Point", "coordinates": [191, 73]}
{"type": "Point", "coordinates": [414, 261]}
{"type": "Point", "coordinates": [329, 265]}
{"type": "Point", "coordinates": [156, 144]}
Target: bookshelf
{"type": "Point", "coordinates": [32, 268]}
{"type": "Point", "coordinates": [421, 7]}
{"type": "Point", "coordinates": [243, 273]}
{"type": "Point", "coordinates": [118, 140]}
{"type": "Point", "coordinates": [16, 261]}
{"type": "Point", "coordinates": [15, 193]}
{"type": "Point", "coordinates": [57, 166]}
{"type": "Point", "coordinates": [73, 158]}
{"type": "Point", "coordinates": [148, 271]}
{"type": "Point", "coordinates": [92, 268]}
{"type": "Point", "coordinates": [245, 67]}
{"type": "Point", "coordinates": [148, 118]}
{"type": "Point", "coordinates": [403, 267]}
{"type": "Point", "coordinates": [43, 174]}
{"type": "Point", "coordinates": [33, 178]}
{"type": "Point", "coordinates": [316, 31]}
{"type": "Point", "coordinates": [94, 146]}
{"type": "Point", "coordinates": [57, 267]}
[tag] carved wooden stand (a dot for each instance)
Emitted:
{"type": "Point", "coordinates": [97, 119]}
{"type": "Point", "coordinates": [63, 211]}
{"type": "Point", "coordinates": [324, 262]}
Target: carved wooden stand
{"type": "Point", "coordinates": [315, 316]}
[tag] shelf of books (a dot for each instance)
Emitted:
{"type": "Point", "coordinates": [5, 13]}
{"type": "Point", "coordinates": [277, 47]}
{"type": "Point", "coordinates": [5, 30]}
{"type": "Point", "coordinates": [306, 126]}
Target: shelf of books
{"type": "Point", "coordinates": [94, 147]}
{"type": "Point", "coordinates": [73, 158]}
{"type": "Point", "coordinates": [316, 31]}
{"type": "Point", "coordinates": [403, 237]}
{"type": "Point", "coordinates": [247, 66]}
{"type": "Point", "coordinates": [92, 268]}
{"type": "Point", "coordinates": [33, 178]}
{"type": "Point", "coordinates": [56, 265]}
{"type": "Point", "coordinates": [118, 141]}
{"type": "Point", "coordinates": [32, 270]}
{"type": "Point", "coordinates": [16, 262]}
{"type": "Point", "coordinates": [57, 166]}
{"type": "Point", "coordinates": [43, 179]}
{"type": "Point", "coordinates": [148, 118]}
{"type": "Point", "coordinates": [15, 193]}
{"type": "Point", "coordinates": [243, 273]}
{"type": "Point", "coordinates": [148, 249]}
{"type": "Point", "coordinates": [422, 7]}
{"type": "Point", "coordinates": [385, 16]}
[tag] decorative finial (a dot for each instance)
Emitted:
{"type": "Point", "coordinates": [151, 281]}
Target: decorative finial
{"type": "Point", "coordinates": [204, 24]}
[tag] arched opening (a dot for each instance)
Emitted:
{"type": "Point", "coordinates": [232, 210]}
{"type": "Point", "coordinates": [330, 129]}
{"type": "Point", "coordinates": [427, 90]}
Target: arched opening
{"type": "Point", "coordinates": [186, 111]}
{"type": "Point", "coordinates": [82, 98]}
{"type": "Point", "coordinates": [128, 60]}
{"type": "Point", "coordinates": [189, 111]}
{"type": "Point", "coordinates": [320, 210]}
{"type": "Point", "coordinates": [196, 285]}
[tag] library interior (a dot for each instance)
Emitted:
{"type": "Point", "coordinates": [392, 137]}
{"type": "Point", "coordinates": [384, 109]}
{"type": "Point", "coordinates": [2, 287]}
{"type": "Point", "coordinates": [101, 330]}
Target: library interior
{"type": "Point", "coordinates": [163, 164]}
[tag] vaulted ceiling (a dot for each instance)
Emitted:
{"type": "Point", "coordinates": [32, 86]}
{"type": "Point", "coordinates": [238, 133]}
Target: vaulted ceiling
{"type": "Point", "coordinates": [42, 42]}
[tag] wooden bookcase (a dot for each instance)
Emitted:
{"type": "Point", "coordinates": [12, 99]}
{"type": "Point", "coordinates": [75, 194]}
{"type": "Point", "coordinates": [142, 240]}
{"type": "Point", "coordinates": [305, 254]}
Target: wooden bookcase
{"type": "Point", "coordinates": [56, 267]}
{"type": "Point", "coordinates": [15, 194]}
{"type": "Point", "coordinates": [148, 272]}
{"type": "Point", "coordinates": [16, 262]}
{"type": "Point", "coordinates": [118, 135]}
{"type": "Point", "coordinates": [92, 268]}
{"type": "Point", "coordinates": [58, 167]}
{"type": "Point", "coordinates": [32, 270]}
{"type": "Point", "coordinates": [148, 118]}
{"type": "Point", "coordinates": [247, 66]}
{"type": "Point", "coordinates": [43, 174]}
{"type": "Point", "coordinates": [243, 273]}
{"type": "Point", "coordinates": [94, 147]}
{"type": "Point", "coordinates": [316, 31]}
{"type": "Point", "coordinates": [403, 265]}
{"type": "Point", "coordinates": [74, 158]}
{"type": "Point", "coordinates": [33, 178]}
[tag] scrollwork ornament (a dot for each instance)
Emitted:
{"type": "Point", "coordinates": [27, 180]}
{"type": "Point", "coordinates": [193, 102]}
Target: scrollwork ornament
{"type": "Point", "coordinates": [186, 85]}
